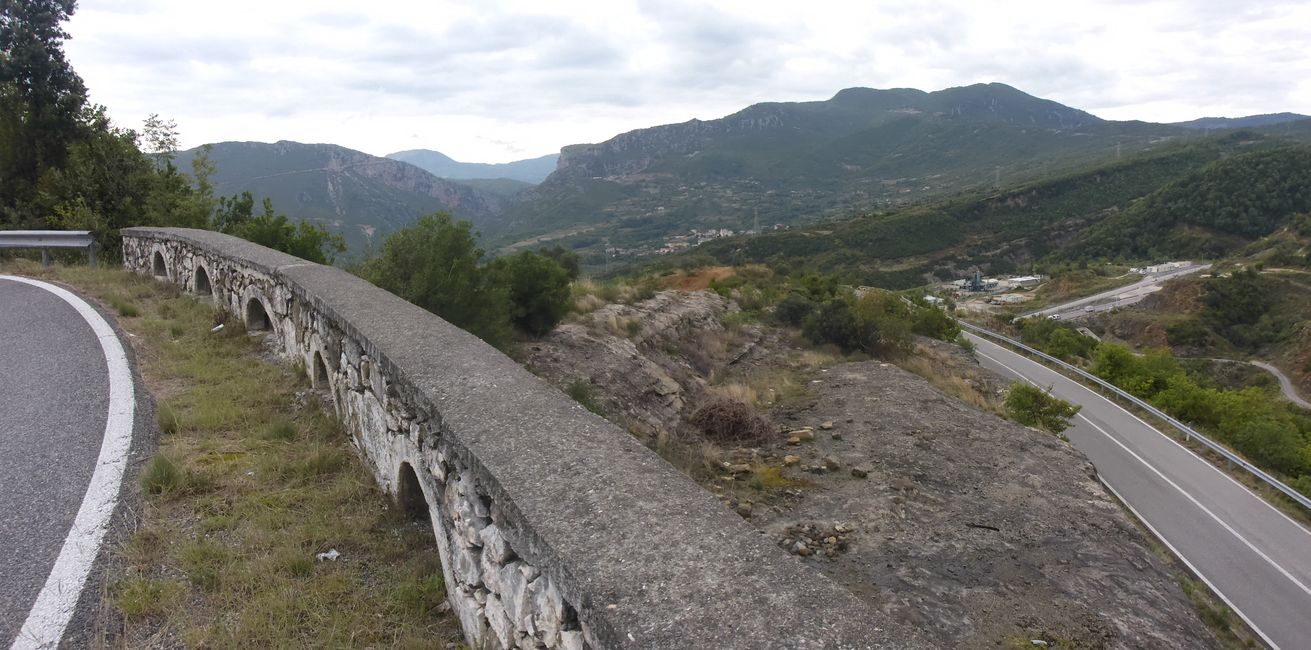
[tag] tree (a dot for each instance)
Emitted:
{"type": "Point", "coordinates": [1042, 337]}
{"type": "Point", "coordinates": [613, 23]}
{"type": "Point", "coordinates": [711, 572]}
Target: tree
{"type": "Point", "coordinates": [883, 323]}
{"type": "Point", "coordinates": [434, 264]}
{"type": "Point", "coordinates": [1034, 407]}
{"type": "Point", "coordinates": [565, 258]}
{"type": "Point", "coordinates": [41, 100]}
{"type": "Point", "coordinates": [539, 290]}
{"type": "Point", "coordinates": [833, 323]}
{"type": "Point", "coordinates": [793, 309]}
{"type": "Point", "coordinates": [235, 216]}
{"type": "Point", "coordinates": [161, 138]}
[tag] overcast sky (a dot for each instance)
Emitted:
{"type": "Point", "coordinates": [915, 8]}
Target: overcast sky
{"type": "Point", "coordinates": [492, 81]}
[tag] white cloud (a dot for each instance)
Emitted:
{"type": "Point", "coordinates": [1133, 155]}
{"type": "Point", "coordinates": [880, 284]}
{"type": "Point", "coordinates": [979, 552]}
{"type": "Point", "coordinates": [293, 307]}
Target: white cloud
{"type": "Point", "coordinates": [494, 81]}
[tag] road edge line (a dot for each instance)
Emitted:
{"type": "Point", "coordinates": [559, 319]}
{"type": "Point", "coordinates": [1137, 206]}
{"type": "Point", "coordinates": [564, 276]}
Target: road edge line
{"type": "Point", "coordinates": [1200, 576]}
{"type": "Point", "coordinates": [57, 601]}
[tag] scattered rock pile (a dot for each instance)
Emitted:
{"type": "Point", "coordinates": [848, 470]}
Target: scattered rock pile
{"type": "Point", "coordinates": [814, 539]}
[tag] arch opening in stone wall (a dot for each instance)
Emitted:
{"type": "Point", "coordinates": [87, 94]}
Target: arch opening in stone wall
{"type": "Point", "coordinates": [319, 370]}
{"type": "Point", "coordinates": [257, 318]}
{"type": "Point", "coordinates": [158, 267]}
{"type": "Point", "coordinates": [203, 286]}
{"type": "Point", "coordinates": [410, 494]}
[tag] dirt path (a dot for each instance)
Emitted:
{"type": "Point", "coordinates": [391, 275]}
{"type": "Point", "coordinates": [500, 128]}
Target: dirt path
{"type": "Point", "coordinates": [1285, 384]}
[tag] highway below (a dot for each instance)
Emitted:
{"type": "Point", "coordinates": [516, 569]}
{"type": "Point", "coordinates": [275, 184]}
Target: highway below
{"type": "Point", "coordinates": [67, 410]}
{"type": "Point", "coordinates": [1253, 556]}
{"type": "Point", "coordinates": [1121, 297]}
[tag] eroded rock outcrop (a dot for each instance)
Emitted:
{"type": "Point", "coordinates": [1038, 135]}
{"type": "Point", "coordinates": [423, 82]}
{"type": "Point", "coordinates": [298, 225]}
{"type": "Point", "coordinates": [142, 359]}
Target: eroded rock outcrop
{"type": "Point", "coordinates": [641, 361]}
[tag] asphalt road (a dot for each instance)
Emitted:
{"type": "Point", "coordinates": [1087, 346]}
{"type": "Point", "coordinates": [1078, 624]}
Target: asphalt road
{"type": "Point", "coordinates": [1121, 297]}
{"type": "Point", "coordinates": [1253, 556]}
{"type": "Point", "coordinates": [54, 408]}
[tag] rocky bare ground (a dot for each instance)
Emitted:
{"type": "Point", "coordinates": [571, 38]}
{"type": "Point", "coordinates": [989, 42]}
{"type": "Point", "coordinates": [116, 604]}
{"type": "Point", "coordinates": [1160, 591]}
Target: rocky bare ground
{"type": "Point", "coordinates": [976, 530]}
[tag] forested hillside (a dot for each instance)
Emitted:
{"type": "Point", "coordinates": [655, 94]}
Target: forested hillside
{"type": "Point", "coordinates": [999, 231]}
{"type": "Point", "coordinates": [1209, 213]}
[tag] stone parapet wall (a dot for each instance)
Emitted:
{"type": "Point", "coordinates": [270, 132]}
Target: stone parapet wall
{"type": "Point", "coordinates": [555, 528]}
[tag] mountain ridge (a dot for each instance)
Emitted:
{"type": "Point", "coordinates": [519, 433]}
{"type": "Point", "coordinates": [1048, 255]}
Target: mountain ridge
{"type": "Point", "coordinates": [349, 191]}
{"type": "Point", "coordinates": [529, 170]}
{"type": "Point", "coordinates": [786, 162]}
{"type": "Point", "coordinates": [1246, 121]}
{"type": "Point", "coordinates": [861, 150]}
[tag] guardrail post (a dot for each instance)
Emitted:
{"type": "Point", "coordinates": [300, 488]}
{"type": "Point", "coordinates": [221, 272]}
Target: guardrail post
{"type": "Point", "coordinates": [45, 257]}
{"type": "Point", "coordinates": [91, 255]}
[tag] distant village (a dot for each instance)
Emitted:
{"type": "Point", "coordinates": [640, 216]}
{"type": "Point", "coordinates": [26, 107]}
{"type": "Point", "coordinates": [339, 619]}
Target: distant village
{"type": "Point", "coordinates": [679, 243]}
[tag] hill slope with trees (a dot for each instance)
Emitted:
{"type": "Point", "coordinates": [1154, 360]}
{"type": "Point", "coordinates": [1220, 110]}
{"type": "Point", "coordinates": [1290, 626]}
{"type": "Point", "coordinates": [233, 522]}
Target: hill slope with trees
{"type": "Point", "coordinates": [1209, 213]}
{"type": "Point", "coordinates": [349, 192]}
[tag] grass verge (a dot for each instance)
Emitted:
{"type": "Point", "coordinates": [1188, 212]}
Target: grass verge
{"type": "Point", "coordinates": [253, 478]}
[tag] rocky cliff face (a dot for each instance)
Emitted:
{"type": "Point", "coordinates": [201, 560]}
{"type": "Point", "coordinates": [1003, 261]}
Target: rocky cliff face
{"type": "Point", "coordinates": [340, 162]}
{"type": "Point", "coordinates": [641, 361]}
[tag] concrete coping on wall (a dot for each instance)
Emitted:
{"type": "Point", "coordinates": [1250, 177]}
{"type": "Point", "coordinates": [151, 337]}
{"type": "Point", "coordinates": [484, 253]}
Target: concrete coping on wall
{"type": "Point", "coordinates": [648, 558]}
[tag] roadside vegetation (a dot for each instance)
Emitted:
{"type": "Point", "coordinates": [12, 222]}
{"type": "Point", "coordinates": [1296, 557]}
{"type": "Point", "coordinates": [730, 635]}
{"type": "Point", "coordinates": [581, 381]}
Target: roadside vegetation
{"type": "Point", "coordinates": [1035, 407]}
{"type": "Point", "coordinates": [1256, 423]}
{"type": "Point", "coordinates": [436, 264]}
{"type": "Point", "coordinates": [252, 480]}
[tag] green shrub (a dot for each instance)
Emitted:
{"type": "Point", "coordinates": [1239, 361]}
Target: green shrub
{"type": "Point", "coordinates": [935, 324]}
{"type": "Point", "coordinates": [964, 343]}
{"type": "Point", "coordinates": [832, 323]}
{"type": "Point", "coordinates": [793, 310]}
{"type": "Point", "coordinates": [1034, 407]}
{"type": "Point", "coordinates": [1189, 332]}
{"type": "Point", "coordinates": [538, 288]}
{"type": "Point", "coordinates": [1067, 344]}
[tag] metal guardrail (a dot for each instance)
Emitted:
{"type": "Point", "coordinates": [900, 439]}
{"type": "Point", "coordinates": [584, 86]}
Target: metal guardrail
{"type": "Point", "coordinates": [1188, 431]}
{"type": "Point", "coordinates": [47, 239]}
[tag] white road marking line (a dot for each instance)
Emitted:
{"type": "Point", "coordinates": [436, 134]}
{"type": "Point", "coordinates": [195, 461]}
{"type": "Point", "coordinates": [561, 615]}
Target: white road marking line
{"type": "Point", "coordinates": [1176, 486]}
{"type": "Point", "coordinates": [1176, 443]}
{"type": "Point", "coordinates": [1197, 572]}
{"type": "Point", "coordinates": [57, 601]}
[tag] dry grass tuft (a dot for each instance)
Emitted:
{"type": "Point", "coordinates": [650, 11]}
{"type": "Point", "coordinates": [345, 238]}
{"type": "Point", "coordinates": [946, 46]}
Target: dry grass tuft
{"type": "Point", "coordinates": [738, 392]}
{"type": "Point", "coordinates": [937, 368]}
